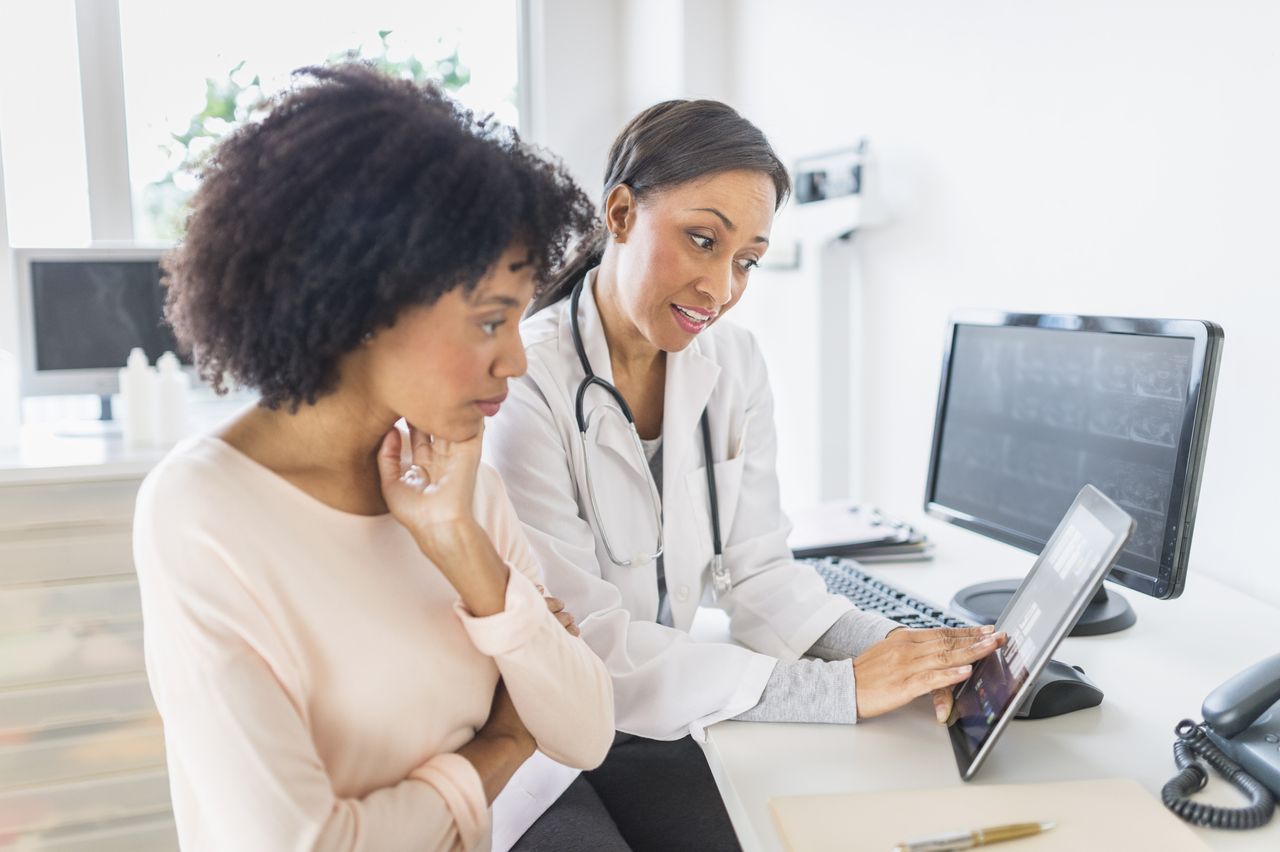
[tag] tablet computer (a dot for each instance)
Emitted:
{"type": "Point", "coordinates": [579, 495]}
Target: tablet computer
{"type": "Point", "coordinates": [1043, 610]}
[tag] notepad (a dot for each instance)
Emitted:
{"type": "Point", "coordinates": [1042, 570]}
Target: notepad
{"type": "Point", "coordinates": [842, 528]}
{"type": "Point", "coordinates": [1113, 813]}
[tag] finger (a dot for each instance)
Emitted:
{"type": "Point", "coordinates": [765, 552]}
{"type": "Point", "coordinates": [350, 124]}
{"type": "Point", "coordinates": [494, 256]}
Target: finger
{"type": "Point", "coordinates": [421, 444]}
{"type": "Point", "coordinates": [554, 604]}
{"type": "Point", "coordinates": [931, 679]}
{"type": "Point", "coordinates": [389, 456]}
{"type": "Point", "coordinates": [966, 637]}
{"type": "Point", "coordinates": [950, 651]}
{"type": "Point", "coordinates": [942, 700]}
{"type": "Point", "coordinates": [970, 654]}
{"type": "Point", "coordinates": [931, 634]}
{"type": "Point", "coordinates": [945, 641]}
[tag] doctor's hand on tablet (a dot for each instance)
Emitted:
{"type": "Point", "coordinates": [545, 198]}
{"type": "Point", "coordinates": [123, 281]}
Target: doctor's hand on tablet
{"type": "Point", "coordinates": [909, 663]}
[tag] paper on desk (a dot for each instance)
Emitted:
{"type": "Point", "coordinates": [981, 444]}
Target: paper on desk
{"type": "Point", "coordinates": [841, 524]}
{"type": "Point", "coordinates": [1112, 813]}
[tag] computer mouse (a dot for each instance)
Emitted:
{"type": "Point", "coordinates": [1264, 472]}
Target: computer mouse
{"type": "Point", "coordinates": [1059, 689]}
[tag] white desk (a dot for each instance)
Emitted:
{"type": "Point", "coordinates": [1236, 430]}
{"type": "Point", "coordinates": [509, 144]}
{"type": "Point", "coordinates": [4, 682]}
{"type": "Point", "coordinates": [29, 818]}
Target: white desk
{"type": "Point", "coordinates": [1154, 674]}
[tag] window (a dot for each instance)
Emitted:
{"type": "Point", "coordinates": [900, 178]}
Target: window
{"type": "Point", "coordinates": [191, 76]}
{"type": "Point", "coordinates": [45, 178]}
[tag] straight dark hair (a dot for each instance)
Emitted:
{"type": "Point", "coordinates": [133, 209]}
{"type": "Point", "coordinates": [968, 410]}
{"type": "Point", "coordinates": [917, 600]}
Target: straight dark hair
{"type": "Point", "coordinates": [668, 144]}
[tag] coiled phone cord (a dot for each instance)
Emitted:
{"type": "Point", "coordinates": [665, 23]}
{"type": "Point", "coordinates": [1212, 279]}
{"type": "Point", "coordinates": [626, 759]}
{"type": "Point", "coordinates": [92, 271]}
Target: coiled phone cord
{"type": "Point", "coordinates": [1192, 743]}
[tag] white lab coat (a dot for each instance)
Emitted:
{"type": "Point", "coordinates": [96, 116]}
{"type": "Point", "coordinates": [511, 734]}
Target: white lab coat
{"type": "Point", "coordinates": [665, 684]}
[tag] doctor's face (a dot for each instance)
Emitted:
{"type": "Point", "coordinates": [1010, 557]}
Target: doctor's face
{"type": "Point", "coordinates": [683, 255]}
{"type": "Point", "coordinates": [444, 367]}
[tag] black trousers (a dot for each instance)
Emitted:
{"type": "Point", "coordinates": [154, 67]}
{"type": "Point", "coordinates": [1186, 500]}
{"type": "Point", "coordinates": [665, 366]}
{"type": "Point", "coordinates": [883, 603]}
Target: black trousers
{"type": "Point", "coordinates": [647, 796]}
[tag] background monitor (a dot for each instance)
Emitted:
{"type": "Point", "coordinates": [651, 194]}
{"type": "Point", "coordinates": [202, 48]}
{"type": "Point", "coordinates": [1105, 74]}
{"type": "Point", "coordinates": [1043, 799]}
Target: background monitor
{"type": "Point", "coordinates": [1032, 407]}
{"type": "Point", "coordinates": [80, 311]}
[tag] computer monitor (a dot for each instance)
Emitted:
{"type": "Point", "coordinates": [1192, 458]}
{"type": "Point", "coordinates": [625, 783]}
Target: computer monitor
{"type": "Point", "coordinates": [80, 311]}
{"type": "Point", "coordinates": [1032, 407]}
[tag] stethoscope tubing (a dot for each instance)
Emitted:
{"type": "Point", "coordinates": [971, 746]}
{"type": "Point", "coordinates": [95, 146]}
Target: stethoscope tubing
{"type": "Point", "coordinates": [591, 379]}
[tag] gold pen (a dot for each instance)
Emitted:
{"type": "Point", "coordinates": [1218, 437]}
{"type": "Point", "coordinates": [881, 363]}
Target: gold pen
{"type": "Point", "coordinates": [970, 839]}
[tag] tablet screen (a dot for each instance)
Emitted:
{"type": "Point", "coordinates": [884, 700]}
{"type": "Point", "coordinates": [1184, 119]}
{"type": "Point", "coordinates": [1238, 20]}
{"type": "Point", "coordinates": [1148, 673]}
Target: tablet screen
{"type": "Point", "coordinates": [1045, 607]}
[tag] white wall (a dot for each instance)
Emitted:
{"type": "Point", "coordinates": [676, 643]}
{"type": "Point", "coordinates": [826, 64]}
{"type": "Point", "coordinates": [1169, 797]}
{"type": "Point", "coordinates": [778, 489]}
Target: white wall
{"type": "Point", "coordinates": [1068, 155]}
{"type": "Point", "coordinates": [593, 64]}
{"type": "Point", "coordinates": [574, 76]}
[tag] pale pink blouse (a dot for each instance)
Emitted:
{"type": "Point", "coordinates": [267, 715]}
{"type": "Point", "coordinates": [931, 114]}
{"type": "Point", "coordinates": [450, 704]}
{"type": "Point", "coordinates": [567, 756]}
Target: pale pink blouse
{"type": "Point", "coordinates": [316, 673]}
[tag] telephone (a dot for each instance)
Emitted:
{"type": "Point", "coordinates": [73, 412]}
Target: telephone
{"type": "Point", "coordinates": [1240, 739]}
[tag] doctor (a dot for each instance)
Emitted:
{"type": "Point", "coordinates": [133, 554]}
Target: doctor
{"type": "Point", "coordinates": [639, 452]}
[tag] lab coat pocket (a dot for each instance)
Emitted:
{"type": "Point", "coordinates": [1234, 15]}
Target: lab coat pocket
{"type": "Point", "coordinates": [728, 486]}
{"type": "Point", "coordinates": [739, 447]}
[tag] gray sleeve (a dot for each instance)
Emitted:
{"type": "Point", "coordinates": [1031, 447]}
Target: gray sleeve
{"type": "Point", "coordinates": [807, 691]}
{"type": "Point", "coordinates": [822, 690]}
{"type": "Point", "coordinates": [853, 633]}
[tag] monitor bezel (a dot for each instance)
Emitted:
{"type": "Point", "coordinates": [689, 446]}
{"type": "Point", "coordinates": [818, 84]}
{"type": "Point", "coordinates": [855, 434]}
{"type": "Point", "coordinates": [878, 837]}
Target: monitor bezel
{"type": "Point", "coordinates": [1207, 337]}
{"type": "Point", "coordinates": [36, 382]}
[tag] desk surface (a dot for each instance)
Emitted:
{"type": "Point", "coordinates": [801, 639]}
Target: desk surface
{"type": "Point", "coordinates": [50, 452]}
{"type": "Point", "coordinates": [1154, 674]}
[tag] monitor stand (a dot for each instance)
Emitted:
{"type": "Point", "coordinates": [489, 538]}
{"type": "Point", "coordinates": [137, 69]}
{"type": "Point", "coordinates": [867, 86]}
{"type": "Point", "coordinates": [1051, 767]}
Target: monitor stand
{"type": "Point", "coordinates": [983, 603]}
{"type": "Point", "coordinates": [106, 426]}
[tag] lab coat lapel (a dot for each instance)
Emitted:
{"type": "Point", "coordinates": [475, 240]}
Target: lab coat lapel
{"type": "Point", "coordinates": [613, 434]}
{"type": "Point", "coordinates": [691, 377]}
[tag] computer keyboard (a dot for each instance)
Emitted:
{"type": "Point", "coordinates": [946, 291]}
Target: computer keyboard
{"type": "Point", "coordinates": [844, 577]}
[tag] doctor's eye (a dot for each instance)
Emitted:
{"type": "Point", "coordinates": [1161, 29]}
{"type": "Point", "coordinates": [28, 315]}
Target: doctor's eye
{"type": "Point", "coordinates": [702, 241]}
{"type": "Point", "coordinates": [748, 263]}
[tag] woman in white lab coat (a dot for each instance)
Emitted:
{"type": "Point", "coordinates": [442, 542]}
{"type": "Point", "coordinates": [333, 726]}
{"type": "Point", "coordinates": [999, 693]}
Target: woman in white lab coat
{"type": "Point", "coordinates": [624, 528]}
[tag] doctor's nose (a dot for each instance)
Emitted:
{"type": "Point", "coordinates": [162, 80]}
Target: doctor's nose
{"type": "Point", "coordinates": [718, 287]}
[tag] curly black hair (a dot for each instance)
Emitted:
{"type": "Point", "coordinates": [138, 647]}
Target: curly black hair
{"type": "Point", "coordinates": [357, 196]}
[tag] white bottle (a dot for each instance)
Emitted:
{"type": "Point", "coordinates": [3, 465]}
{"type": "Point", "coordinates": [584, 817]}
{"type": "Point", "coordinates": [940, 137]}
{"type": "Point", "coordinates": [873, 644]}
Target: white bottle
{"type": "Point", "coordinates": [137, 395]}
{"type": "Point", "coordinates": [173, 388]}
{"type": "Point", "coordinates": [10, 401]}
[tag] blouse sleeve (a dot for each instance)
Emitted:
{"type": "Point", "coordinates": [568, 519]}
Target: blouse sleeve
{"type": "Point", "coordinates": [560, 688]}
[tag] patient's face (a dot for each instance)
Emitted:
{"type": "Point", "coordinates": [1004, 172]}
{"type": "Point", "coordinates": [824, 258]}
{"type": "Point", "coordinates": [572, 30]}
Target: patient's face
{"type": "Point", "coordinates": [445, 367]}
{"type": "Point", "coordinates": [687, 253]}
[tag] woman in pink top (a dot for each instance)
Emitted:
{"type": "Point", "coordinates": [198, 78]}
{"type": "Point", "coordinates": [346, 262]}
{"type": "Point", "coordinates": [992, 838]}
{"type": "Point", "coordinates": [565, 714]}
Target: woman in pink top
{"type": "Point", "coordinates": [344, 632]}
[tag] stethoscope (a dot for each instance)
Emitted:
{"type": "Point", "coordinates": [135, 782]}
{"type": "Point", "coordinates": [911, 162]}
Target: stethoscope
{"type": "Point", "coordinates": [719, 574]}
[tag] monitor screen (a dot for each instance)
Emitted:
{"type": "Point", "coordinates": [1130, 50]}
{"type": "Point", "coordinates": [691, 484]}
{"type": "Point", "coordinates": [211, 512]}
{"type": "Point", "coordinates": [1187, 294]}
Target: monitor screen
{"type": "Point", "coordinates": [1029, 414]}
{"type": "Point", "coordinates": [88, 314]}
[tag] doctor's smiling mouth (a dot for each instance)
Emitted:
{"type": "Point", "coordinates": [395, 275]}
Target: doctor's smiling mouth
{"type": "Point", "coordinates": [692, 320]}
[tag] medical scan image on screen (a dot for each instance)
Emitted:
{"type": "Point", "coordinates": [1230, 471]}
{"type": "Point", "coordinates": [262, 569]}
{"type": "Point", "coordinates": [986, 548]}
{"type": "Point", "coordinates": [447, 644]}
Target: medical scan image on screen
{"type": "Point", "coordinates": [1029, 421]}
{"type": "Point", "coordinates": [1056, 585]}
{"type": "Point", "coordinates": [89, 315]}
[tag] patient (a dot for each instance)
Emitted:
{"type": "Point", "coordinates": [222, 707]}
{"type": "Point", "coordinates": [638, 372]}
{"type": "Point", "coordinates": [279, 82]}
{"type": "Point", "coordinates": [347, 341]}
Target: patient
{"type": "Point", "coordinates": [344, 633]}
